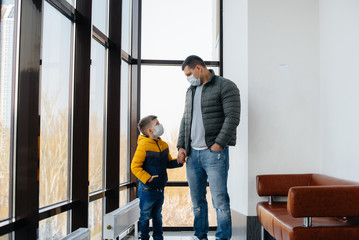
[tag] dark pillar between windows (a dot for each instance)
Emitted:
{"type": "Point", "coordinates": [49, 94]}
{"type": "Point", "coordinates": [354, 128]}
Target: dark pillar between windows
{"type": "Point", "coordinates": [80, 178]}
{"type": "Point", "coordinates": [28, 122]}
{"type": "Point", "coordinates": [113, 109]}
{"type": "Point", "coordinates": [135, 82]}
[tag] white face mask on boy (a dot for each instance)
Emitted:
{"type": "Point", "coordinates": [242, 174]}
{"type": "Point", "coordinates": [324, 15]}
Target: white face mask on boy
{"type": "Point", "coordinates": [159, 130]}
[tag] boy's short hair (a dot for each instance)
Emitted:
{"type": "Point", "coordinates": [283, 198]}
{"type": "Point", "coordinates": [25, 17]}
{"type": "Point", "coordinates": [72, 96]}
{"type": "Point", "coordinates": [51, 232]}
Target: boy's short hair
{"type": "Point", "coordinates": [192, 61]}
{"type": "Point", "coordinates": [143, 124]}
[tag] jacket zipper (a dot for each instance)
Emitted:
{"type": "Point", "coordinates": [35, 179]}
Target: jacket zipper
{"type": "Point", "coordinates": [158, 146]}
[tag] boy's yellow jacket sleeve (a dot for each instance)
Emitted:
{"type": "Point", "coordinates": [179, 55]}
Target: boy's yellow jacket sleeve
{"type": "Point", "coordinates": [137, 163]}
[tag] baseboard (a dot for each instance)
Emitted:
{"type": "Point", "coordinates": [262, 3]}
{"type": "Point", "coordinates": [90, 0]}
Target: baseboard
{"type": "Point", "coordinates": [254, 229]}
{"type": "Point", "coordinates": [239, 226]}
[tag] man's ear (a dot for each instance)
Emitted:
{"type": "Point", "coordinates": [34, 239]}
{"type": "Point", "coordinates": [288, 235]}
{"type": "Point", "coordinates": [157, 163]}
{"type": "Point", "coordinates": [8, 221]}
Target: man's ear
{"type": "Point", "coordinates": [198, 67]}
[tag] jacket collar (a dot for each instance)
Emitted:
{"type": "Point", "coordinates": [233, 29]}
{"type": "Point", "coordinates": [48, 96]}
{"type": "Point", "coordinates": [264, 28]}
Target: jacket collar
{"type": "Point", "coordinates": [148, 140]}
{"type": "Point", "coordinates": [212, 76]}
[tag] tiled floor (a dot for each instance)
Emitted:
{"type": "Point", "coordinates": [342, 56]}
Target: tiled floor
{"type": "Point", "coordinates": [179, 236]}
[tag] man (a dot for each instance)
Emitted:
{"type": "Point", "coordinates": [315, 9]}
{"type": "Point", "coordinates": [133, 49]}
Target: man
{"type": "Point", "coordinates": [208, 127]}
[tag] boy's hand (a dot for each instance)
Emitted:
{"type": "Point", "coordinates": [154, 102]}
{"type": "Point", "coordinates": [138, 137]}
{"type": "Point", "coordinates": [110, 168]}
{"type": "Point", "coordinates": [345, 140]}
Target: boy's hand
{"type": "Point", "coordinates": [152, 177]}
{"type": "Point", "coordinates": [181, 158]}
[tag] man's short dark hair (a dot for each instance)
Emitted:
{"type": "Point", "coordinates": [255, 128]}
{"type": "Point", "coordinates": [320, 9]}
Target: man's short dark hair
{"type": "Point", "coordinates": [143, 125]}
{"type": "Point", "coordinates": [192, 61]}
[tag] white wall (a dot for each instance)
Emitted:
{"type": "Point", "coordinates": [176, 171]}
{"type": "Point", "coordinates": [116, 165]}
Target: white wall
{"type": "Point", "coordinates": [284, 85]}
{"type": "Point", "coordinates": [271, 50]}
{"type": "Point", "coordinates": [339, 69]}
{"type": "Point", "coordinates": [300, 93]}
{"type": "Point", "coordinates": [235, 58]}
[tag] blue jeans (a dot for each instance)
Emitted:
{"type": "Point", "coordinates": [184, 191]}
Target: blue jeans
{"type": "Point", "coordinates": [212, 165]}
{"type": "Point", "coordinates": [151, 202]}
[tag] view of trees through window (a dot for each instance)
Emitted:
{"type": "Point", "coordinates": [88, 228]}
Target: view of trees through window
{"type": "Point", "coordinates": [97, 114]}
{"type": "Point", "coordinates": [55, 101]}
{"type": "Point", "coordinates": [7, 28]}
{"type": "Point", "coordinates": [186, 31]}
{"type": "Point", "coordinates": [163, 90]}
{"type": "Point", "coordinates": [95, 219]}
{"type": "Point", "coordinates": [168, 106]}
{"type": "Point", "coordinates": [54, 227]}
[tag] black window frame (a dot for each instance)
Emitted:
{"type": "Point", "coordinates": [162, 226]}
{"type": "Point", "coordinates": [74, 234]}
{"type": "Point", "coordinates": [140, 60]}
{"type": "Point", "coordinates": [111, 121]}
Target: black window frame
{"type": "Point", "coordinates": [25, 205]}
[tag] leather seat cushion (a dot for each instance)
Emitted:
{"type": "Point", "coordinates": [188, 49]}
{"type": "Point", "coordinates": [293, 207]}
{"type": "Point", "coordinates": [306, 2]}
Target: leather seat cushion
{"type": "Point", "coordinates": [282, 226]}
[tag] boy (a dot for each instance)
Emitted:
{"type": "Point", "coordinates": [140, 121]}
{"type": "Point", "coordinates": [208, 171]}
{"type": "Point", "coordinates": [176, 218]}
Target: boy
{"type": "Point", "coordinates": [149, 165]}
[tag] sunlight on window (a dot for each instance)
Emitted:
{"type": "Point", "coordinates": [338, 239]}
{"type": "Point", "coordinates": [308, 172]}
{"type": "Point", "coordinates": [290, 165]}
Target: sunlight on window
{"type": "Point", "coordinates": [163, 94]}
{"type": "Point", "coordinates": [97, 113]}
{"type": "Point", "coordinates": [53, 227]}
{"type": "Point", "coordinates": [123, 197]}
{"type": "Point", "coordinates": [126, 26]}
{"type": "Point", "coordinates": [100, 15]}
{"type": "Point", "coordinates": [177, 208]}
{"type": "Point", "coordinates": [178, 28]}
{"type": "Point", "coordinates": [95, 219]}
{"type": "Point", "coordinates": [7, 26]}
{"type": "Point", "coordinates": [55, 101]}
{"type": "Point", "coordinates": [124, 123]}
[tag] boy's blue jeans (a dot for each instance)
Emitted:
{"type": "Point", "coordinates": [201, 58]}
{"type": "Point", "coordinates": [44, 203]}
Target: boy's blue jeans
{"type": "Point", "coordinates": [151, 202]}
{"type": "Point", "coordinates": [212, 165]}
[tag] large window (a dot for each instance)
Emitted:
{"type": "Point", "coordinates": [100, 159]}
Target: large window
{"type": "Point", "coordinates": [124, 123]}
{"type": "Point", "coordinates": [126, 20]}
{"type": "Point", "coordinates": [75, 57]}
{"type": "Point", "coordinates": [7, 43]}
{"type": "Point", "coordinates": [56, 79]}
{"type": "Point", "coordinates": [168, 106]}
{"type": "Point", "coordinates": [100, 15]}
{"type": "Point", "coordinates": [124, 131]}
{"type": "Point", "coordinates": [126, 26]}
{"type": "Point", "coordinates": [178, 28]}
{"type": "Point", "coordinates": [96, 134]}
{"type": "Point", "coordinates": [97, 114]}
{"type": "Point", "coordinates": [54, 227]}
{"type": "Point", "coordinates": [177, 211]}
{"type": "Point", "coordinates": [95, 219]}
{"type": "Point", "coordinates": [173, 30]}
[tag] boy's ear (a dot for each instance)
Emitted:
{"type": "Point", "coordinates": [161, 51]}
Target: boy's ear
{"type": "Point", "coordinates": [149, 130]}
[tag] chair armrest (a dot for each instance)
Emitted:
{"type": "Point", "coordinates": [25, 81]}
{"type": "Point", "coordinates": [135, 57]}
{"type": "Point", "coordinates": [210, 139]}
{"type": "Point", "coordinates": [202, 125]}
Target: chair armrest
{"type": "Point", "coordinates": [278, 185]}
{"type": "Point", "coordinates": [323, 201]}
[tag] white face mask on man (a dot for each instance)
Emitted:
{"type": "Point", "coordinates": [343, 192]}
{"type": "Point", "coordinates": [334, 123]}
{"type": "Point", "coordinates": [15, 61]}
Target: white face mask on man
{"type": "Point", "coordinates": [194, 81]}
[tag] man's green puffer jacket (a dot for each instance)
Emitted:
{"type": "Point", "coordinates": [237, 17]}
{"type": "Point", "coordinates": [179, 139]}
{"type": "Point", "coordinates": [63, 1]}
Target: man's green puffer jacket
{"type": "Point", "coordinates": [221, 108]}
